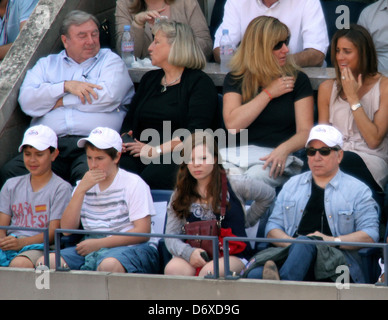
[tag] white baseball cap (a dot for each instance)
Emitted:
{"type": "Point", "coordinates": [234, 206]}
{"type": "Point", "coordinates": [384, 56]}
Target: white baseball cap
{"type": "Point", "coordinates": [40, 137]}
{"type": "Point", "coordinates": [103, 138]}
{"type": "Point", "coordinates": [327, 134]}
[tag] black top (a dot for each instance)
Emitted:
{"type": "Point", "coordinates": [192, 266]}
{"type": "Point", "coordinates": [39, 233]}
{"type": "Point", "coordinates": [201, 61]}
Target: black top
{"type": "Point", "coordinates": [276, 123]}
{"type": "Point", "coordinates": [314, 215]}
{"type": "Point", "coordinates": [190, 104]}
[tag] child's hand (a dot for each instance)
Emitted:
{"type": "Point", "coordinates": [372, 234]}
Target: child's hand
{"type": "Point", "coordinates": [91, 178]}
{"type": "Point", "coordinates": [87, 246]}
{"type": "Point", "coordinates": [10, 243]}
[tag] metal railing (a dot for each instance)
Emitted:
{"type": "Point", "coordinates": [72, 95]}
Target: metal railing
{"type": "Point", "coordinates": [228, 274]}
{"type": "Point", "coordinates": [46, 241]}
{"type": "Point", "coordinates": [226, 240]}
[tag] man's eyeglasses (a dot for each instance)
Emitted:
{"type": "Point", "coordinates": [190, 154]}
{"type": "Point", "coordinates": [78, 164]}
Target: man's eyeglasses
{"type": "Point", "coordinates": [279, 45]}
{"type": "Point", "coordinates": [324, 151]}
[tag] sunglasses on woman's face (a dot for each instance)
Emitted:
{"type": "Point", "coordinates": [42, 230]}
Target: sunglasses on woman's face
{"type": "Point", "coordinates": [279, 45]}
{"type": "Point", "coordinates": [324, 151]}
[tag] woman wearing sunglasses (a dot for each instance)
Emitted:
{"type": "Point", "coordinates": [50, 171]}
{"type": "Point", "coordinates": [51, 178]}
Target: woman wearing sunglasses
{"type": "Point", "coordinates": [354, 102]}
{"type": "Point", "coordinates": [266, 94]}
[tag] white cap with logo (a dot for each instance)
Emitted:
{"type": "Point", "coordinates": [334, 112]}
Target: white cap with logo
{"type": "Point", "coordinates": [327, 134]}
{"type": "Point", "coordinates": [103, 138]}
{"type": "Point", "coordinates": [40, 137]}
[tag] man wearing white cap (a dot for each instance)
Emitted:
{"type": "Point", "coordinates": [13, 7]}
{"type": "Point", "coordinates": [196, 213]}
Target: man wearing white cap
{"type": "Point", "coordinates": [35, 200]}
{"type": "Point", "coordinates": [322, 202]}
{"type": "Point", "coordinates": [109, 199]}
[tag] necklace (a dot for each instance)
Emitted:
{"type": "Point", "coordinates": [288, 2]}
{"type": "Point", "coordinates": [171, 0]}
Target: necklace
{"type": "Point", "coordinates": [165, 84]}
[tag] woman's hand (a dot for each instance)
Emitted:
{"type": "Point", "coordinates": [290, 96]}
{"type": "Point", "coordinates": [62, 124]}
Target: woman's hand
{"type": "Point", "coordinates": [281, 86]}
{"type": "Point", "coordinates": [196, 260]}
{"type": "Point", "coordinates": [350, 85]}
{"type": "Point", "coordinates": [277, 160]}
{"type": "Point", "coordinates": [148, 16]}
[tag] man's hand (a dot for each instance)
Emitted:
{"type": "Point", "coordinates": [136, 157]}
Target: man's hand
{"type": "Point", "coordinates": [83, 90]}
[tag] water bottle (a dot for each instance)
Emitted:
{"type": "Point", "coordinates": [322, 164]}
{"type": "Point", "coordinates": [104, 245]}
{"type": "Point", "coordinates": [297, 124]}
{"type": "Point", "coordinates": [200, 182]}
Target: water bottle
{"type": "Point", "coordinates": [226, 50]}
{"type": "Point", "coordinates": [127, 47]}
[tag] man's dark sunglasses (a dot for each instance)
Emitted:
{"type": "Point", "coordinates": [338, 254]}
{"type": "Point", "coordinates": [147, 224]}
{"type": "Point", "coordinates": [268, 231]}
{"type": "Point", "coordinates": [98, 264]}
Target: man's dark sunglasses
{"type": "Point", "coordinates": [324, 151]}
{"type": "Point", "coordinates": [279, 45]}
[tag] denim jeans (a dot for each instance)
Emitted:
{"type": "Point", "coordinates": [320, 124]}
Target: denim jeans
{"type": "Point", "coordinates": [298, 266]}
{"type": "Point", "coordinates": [140, 258]}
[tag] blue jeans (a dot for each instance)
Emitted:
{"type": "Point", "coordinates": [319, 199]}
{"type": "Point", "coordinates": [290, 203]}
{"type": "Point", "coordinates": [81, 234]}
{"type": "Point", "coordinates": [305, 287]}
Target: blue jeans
{"type": "Point", "coordinates": [298, 266]}
{"type": "Point", "coordinates": [140, 258]}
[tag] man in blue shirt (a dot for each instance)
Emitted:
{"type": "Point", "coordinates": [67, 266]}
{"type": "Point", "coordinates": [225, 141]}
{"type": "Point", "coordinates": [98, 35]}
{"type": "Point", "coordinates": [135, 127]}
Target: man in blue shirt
{"type": "Point", "coordinates": [73, 92]}
{"type": "Point", "coordinates": [13, 16]}
{"type": "Point", "coordinates": [323, 202]}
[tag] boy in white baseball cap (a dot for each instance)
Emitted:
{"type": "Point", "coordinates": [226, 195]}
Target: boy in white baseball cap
{"type": "Point", "coordinates": [109, 193]}
{"type": "Point", "coordinates": [35, 200]}
{"type": "Point", "coordinates": [40, 137]}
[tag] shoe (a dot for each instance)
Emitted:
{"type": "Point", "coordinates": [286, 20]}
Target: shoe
{"type": "Point", "coordinates": [270, 271]}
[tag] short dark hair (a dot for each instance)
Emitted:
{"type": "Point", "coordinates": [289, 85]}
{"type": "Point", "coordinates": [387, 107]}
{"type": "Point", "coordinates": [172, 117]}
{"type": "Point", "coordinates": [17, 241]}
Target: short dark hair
{"type": "Point", "coordinates": [111, 152]}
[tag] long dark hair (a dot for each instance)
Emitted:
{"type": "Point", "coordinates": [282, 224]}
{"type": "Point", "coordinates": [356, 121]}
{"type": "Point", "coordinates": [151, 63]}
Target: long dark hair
{"type": "Point", "coordinates": [186, 185]}
{"type": "Point", "coordinates": [367, 57]}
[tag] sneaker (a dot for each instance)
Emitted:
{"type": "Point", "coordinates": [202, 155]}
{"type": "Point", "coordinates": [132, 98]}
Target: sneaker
{"type": "Point", "coordinates": [270, 271]}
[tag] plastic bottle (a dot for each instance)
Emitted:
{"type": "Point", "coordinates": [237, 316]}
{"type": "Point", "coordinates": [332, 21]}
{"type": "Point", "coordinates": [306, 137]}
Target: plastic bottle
{"type": "Point", "coordinates": [127, 47]}
{"type": "Point", "coordinates": [226, 50]}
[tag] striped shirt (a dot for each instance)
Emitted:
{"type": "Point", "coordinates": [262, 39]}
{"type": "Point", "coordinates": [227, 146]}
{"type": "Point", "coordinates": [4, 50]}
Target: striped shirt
{"type": "Point", "coordinates": [127, 199]}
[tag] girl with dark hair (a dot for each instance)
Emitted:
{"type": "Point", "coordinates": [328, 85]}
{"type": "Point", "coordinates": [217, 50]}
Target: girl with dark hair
{"type": "Point", "coordinates": [198, 197]}
{"type": "Point", "coordinates": [355, 103]}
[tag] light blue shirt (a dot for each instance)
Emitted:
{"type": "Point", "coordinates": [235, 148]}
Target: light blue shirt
{"type": "Point", "coordinates": [374, 18]}
{"type": "Point", "coordinates": [19, 11]}
{"type": "Point", "coordinates": [349, 207]}
{"type": "Point", "coordinates": [44, 85]}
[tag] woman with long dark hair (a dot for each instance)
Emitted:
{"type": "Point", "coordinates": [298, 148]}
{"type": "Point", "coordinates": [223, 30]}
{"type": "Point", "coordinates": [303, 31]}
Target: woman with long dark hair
{"type": "Point", "coordinates": [355, 103]}
{"type": "Point", "coordinates": [198, 196]}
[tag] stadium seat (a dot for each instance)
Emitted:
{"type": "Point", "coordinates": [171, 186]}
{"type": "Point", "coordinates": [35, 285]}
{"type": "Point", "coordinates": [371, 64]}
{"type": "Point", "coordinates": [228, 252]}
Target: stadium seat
{"type": "Point", "coordinates": [161, 199]}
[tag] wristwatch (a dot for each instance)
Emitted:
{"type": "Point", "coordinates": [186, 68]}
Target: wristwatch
{"type": "Point", "coordinates": [354, 107]}
{"type": "Point", "coordinates": [337, 239]}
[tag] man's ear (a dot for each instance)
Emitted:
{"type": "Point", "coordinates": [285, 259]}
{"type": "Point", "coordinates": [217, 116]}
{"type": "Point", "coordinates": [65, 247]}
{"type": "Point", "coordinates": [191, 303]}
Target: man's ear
{"type": "Point", "coordinates": [340, 155]}
{"type": "Point", "coordinates": [64, 40]}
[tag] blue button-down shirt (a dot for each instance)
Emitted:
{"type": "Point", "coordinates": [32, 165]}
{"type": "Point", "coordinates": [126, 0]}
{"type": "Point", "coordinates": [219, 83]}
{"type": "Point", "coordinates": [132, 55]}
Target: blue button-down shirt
{"type": "Point", "coordinates": [349, 207]}
{"type": "Point", "coordinates": [18, 11]}
{"type": "Point", "coordinates": [44, 85]}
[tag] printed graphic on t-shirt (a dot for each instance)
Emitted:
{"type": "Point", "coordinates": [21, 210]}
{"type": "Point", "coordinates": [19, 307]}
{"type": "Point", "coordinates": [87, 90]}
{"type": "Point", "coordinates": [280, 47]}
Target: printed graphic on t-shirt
{"type": "Point", "coordinates": [25, 216]}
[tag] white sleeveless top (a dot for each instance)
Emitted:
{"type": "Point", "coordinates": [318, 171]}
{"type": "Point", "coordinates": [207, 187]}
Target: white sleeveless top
{"type": "Point", "coordinates": [341, 117]}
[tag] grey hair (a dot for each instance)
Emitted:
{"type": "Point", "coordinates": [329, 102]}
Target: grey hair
{"type": "Point", "coordinates": [185, 51]}
{"type": "Point", "coordinates": [76, 17]}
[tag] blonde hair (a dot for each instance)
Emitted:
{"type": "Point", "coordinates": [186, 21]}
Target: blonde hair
{"type": "Point", "coordinates": [185, 51]}
{"type": "Point", "coordinates": [254, 62]}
